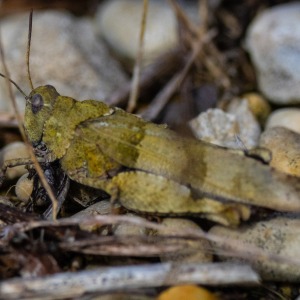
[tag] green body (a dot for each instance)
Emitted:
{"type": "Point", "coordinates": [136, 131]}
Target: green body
{"type": "Point", "coordinates": [166, 173]}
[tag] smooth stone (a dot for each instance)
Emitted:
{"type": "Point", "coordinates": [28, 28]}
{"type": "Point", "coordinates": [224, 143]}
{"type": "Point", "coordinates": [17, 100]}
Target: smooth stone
{"type": "Point", "coordinates": [284, 145]}
{"type": "Point", "coordinates": [273, 41]}
{"type": "Point", "coordinates": [65, 53]}
{"type": "Point", "coordinates": [24, 188]}
{"type": "Point", "coordinates": [191, 292]}
{"type": "Point", "coordinates": [118, 21]}
{"type": "Point", "coordinates": [285, 117]}
{"type": "Point", "coordinates": [258, 105]}
{"type": "Point", "coordinates": [16, 150]}
{"type": "Point", "coordinates": [99, 208]}
{"type": "Point", "coordinates": [103, 207]}
{"type": "Point", "coordinates": [124, 229]}
{"type": "Point", "coordinates": [279, 236]}
{"type": "Point", "coordinates": [193, 251]}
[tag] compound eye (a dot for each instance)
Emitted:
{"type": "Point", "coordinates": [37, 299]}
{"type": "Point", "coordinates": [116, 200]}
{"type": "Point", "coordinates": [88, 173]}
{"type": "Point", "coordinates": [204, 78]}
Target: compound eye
{"type": "Point", "coordinates": [37, 103]}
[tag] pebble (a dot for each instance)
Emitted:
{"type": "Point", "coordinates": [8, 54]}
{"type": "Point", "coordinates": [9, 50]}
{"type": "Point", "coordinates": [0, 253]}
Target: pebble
{"type": "Point", "coordinates": [258, 105]}
{"type": "Point", "coordinates": [16, 150]}
{"type": "Point", "coordinates": [118, 21]}
{"type": "Point", "coordinates": [278, 236]}
{"type": "Point", "coordinates": [99, 208]}
{"type": "Point", "coordinates": [191, 292]}
{"type": "Point", "coordinates": [130, 229]}
{"type": "Point", "coordinates": [234, 129]}
{"type": "Point", "coordinates": [193, 251]}
{"type": "Point", "coordinates": [24, 188]}
{"type": "Point", "coordinates": [285, 117]}
{"type": "Point", "coordinates": [123, 35]}
{"type": "Point", "coordinates": [215, 126]}
{"type": "Point", "coordinates": [249, 128]}
{"type": "Point", "coordinates": [273, 41]}
{"type": "Point", "coordinates": [284, 145]}
{"type": "Point", "coordinates": [65, 53]}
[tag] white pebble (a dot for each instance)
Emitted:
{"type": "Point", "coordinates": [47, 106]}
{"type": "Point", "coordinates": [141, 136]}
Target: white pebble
{"type": "Point", "coordinates": [16, 150]}
{"type": "Point", "coordinates": [24, 188]}
{"type": "Point", "coordinates": [119, 23]}
{"type": "Point", "coordinates": [285, 117]}
{"type": "Point", "coordinates": [235, 129]}
{"type": "Point", "coordinates": [273, 41]}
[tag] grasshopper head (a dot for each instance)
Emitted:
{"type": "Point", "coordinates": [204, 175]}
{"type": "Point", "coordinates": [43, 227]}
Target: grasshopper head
{"type": "Point", "coordinates": [39, 105]}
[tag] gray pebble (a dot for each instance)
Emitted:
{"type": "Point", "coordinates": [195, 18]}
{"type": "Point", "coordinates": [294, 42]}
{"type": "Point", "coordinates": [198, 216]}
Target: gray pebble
{"type": "Point", "coordinates": [273, 41]}
{"type": "Point", "coordinates": [236, 129]}
{"type": "Point", "coordinates": [279, 236]}
{"type": "Point", "coordinates": [64, 53]}
{"type": "Point", "coordinates": [193, 251]}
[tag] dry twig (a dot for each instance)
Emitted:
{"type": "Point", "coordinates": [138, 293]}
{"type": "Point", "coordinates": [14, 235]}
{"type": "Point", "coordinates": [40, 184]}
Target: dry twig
{"type": "Point", "coordinates": [112, 279]}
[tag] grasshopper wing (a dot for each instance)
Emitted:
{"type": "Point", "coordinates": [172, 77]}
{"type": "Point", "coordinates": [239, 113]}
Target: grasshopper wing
{"type": "Point", "coordinates": [209, 170]}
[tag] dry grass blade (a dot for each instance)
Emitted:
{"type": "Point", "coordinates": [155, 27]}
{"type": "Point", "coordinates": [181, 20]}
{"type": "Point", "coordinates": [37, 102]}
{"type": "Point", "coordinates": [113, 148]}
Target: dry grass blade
{"type": "Point", "coordinates": [28, 49]}
{"type": "Point", "coordinates": [196, 38]}
{"type": "Point", "coordinates": [10, 91]}
{"type": "Point", "coordinates": [209, 54]}
{"type": "Point", "coordinates": [172, 86]}
{"type": "Point", "coordinates": [138, 63]}
{"type": "Point", "coordinates": [33, 158]}
{"type": "Point", "coordinates": [183, 19]}
{"type": "Point", "coordinates": [163, 67]}
{"type": "Point", "coordinates": [204, 15]}
{"type": "Point", "coordinates": [127, 245]}
{"type": "Point", "coordinates": [231, 247]}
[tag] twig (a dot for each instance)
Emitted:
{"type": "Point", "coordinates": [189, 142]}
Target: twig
{"type": "Point", "coordinates": [112, 279]}
{"type": "Point", "coordinates": [183, 19]}
{"type": "Point", "coordinates": [163, 97]}
{"type": "Point", "coordinates": [210, 55]}
{"type": "Point", "coordinates": [232, 247]}
{"type": "Point", "coordinates": [165, 65]}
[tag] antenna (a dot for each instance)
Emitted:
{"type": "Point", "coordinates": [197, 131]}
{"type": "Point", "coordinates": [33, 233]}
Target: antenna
{"type": "Point", "coordinates": [28, 49]}
{"type": "Point", "coordinates": [20, 90]}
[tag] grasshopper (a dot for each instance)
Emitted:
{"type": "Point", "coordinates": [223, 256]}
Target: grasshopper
{"type": "Point", "coordinates": [148, 167]}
